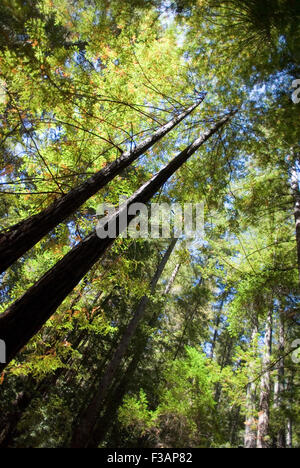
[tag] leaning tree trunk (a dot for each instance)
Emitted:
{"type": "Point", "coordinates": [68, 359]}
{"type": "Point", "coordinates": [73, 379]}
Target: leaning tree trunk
{"type": "Point", "coordinates": [265, 389]}
{"type": "Point", "coordinates": [250, 424]}
{"type": "Point", "coordinates": [23, 236]}
{"type": "Point", "coordinates": [172, 279]}
{"type": "Point", "coordinates": [114, 401]}
{"type": "Point", "coordinates": [89, 417]}
{"type": "Point", "coordinates": [25, 317]}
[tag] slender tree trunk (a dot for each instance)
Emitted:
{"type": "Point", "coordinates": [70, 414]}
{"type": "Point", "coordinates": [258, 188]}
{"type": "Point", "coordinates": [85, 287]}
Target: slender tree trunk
{"type": "Point", "coordinates": [265, 389]}
{"type": "Point", "coordinates": [89, 417]}
{"type": "Point", "coordinates": [234, 424]}
{"type": "Point", "coordinates": [114, 402]}
{"type": "Point", "coordinates": [289, 434]}
{"type": "Point", "coordinates": [279, 384]}
{"type": "Point", "coordinates": [172, 279]}
{"type": "Point", "coordinates": [188, 319]}
{"type": "Point", "coordinates": [23, 319]}
{"type": "Point", "coordinates": [296, 194]}
{"type": "Point", "coordinates": [250, 424]}
{"type": "Point", "coordinates": [224, 362]}
{"type": "Point", "coordinates": [216, 326]}
{"type": "Point", "coordinates": [289, 429]}
{"type": "Point", "coordinates": [23, 236]}
{"type": "Point", "coordinates": [116, 399]}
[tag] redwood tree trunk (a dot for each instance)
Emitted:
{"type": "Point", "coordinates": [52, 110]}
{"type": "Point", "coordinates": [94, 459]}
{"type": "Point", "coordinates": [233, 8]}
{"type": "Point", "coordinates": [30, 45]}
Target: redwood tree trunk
{"type": "Point", "coordinates": [265, 389]}
{"type": "Point", "coordinates": [250, 424]}
{"type": "Point", "coordinates": [279, 384]}
{"type": "Point", "coordinates": [25, 317]}
{"type": "Point", "coordinates": [89, 417]}
{"type": "Point", "coordinates": [23, 236]}
{"type": "Point", "coordinates": [289, 429]}
{"type": "Point", "coordinates": [296, 195]}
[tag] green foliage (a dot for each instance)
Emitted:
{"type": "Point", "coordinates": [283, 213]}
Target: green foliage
{"type": "Point", "coordinates": [81, 82]}
{"type": "Point", "coordinates": [185, 404]}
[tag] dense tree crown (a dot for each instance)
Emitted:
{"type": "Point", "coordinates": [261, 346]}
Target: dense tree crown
{"type": "Point", "coordinates": [158, 342]}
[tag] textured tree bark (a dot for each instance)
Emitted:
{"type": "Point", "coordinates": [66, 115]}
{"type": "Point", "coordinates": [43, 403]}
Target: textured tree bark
{"type": "Point", "coordinates": [289, 429]}
{"type": "Point", "coordinates": [250, 424]}
{"type": "Point", "coordinates": [279, 384]}
{"type": "Point", "coordinates": [265, 389]}
{"type": "Point", "coordinates": [172, 279]}
{"type": "Point", "coordinates": [289, 434]}
{"type": "Point", "coordinates": [234, 425]}
{"type": "Point", "coordinates": [89, 417]}
{"type": "Point", "coordinates": [296, 195]}
{"type": "Point", "coordinates": [23, 236]}
{"type": "Point", "coordinates": [25, 317]}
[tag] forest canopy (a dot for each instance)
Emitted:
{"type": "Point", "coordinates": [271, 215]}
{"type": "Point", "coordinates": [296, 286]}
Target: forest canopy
{"type": "Point", "coordinates": [149, 341]}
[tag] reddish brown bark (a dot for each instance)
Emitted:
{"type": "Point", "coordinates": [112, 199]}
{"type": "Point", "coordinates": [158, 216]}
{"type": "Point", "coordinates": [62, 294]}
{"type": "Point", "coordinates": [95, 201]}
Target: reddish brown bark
{"type": "Point", "coordinates": [25, 317]}
{"type": "Point", "coordinates": [265, 390]}
{"type": "Point", "coordinates": [251, 411]}
{"type": "Point", "coordinates": [23, 236]}
{"type": "Point", "coordinates": [296, 195]}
